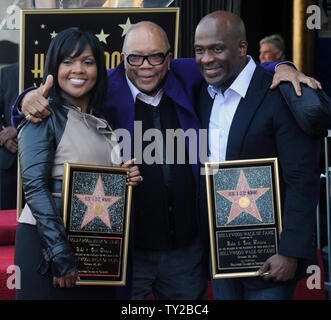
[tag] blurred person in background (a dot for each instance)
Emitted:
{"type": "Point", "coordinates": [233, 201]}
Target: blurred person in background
{"type": "Point", "coordinates": [272, 49]}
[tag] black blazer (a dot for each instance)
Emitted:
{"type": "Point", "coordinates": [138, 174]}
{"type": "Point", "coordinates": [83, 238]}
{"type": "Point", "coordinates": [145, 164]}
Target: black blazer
{"type": "Point", "coordinates": [8, 93]}
{"type": "Point", "coordinates": [264, 127]}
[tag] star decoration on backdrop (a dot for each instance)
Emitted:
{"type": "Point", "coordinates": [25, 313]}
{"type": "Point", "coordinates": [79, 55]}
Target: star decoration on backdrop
{"type": "Point", "coordinates": [36, 42]}
{"type": "Point", "coordinates": [243, 198]}
{"type": "Point", "coordinates": [53, 34]}
{"type": "Point", "coordinates": [126, 27]}
{"type": "Point", "coordinates": [42, 26]}
{"type": "Point", "coordinates": [97, 205]}
{"type": "Point", "coordinates": [102, 36]}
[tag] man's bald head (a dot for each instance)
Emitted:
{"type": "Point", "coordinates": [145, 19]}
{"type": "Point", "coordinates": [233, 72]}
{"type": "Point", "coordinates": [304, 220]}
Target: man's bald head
{"type": "Point", "coordinates": [146, 26]}
{"type": "Point", "coordinates": [227, 22]}
{"type": "Point", "coordinates": [220, 48]}
{"type": "Point", "coordinates": [146, 39]}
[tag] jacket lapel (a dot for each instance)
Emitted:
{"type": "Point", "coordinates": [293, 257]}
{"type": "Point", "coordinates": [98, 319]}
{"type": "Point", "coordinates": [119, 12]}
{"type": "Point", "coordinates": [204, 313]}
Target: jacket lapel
{"type": "Point", "coordinates": [204, 107]}
{"type": "Point", "coordinates": [174, 89]}
{"type": "Point", "coordinates": [246, 109]}
{"type": "Point", "coordinates": [186, 114]}
{"type": "Point", "coordinates": [119, 105]}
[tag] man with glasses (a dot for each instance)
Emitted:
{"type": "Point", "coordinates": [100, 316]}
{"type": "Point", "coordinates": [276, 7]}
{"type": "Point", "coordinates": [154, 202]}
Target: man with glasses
{"type": "Point", "coordinates": [168, 256]}
{"type": "Point", "coordinates": [150, 89]}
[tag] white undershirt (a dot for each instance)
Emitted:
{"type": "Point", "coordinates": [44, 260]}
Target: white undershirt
{"type": "Point", "coordinates": [223, 110]}
{"type": "Point", "coordinates": [136, 93]}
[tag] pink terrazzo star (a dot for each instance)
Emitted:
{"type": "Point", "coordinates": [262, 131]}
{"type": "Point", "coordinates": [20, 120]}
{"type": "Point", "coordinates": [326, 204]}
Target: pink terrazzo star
{"type": "Point", "coordinates": [243, 198]}
{"type": "Point", "coordinates": [97, 205]}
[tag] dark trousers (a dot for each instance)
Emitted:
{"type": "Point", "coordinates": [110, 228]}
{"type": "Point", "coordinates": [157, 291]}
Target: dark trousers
{"type": "Point", "coordinates": [179, 274]}
{"type": "Point", "coordinates": [252, 289]}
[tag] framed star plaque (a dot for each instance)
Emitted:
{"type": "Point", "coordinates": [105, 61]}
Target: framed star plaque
{"type": "Point", "coordinates": [96, 205]}
{"type": "Point", "coordinates": [244, 215]}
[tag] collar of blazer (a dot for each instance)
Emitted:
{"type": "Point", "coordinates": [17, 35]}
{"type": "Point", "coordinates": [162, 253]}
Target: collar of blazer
{"type": "Point", "coordinates": [246, 109]}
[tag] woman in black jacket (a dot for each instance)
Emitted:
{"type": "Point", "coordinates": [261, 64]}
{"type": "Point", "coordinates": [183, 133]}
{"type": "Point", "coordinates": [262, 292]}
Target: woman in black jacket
{"type": "Point", "coordinates": [73, 133]}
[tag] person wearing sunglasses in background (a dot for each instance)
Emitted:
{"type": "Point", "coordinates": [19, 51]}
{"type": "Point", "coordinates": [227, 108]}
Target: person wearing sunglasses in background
{"type": "Point", "coordinates": [150, 89]}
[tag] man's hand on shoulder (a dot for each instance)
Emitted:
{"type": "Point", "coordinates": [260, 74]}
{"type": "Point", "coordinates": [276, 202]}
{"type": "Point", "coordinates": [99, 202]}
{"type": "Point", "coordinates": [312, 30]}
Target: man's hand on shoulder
{"type": "Point", "coordinates": [285, 72]}
{"type": "Point", "coordinates": [35, 105]}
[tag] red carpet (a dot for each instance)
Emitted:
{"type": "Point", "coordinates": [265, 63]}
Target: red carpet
{"type": "Point", "coordinates": [8, 225]}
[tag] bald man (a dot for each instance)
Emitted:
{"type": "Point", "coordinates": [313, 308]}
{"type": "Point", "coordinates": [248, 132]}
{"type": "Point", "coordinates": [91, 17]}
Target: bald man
{"type": "Point", "coordinates": [248, 120]}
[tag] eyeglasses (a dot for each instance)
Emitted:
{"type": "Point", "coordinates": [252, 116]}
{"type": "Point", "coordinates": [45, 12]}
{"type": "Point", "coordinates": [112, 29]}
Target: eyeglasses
{"type": "Point", "coordinates": [153, 59]}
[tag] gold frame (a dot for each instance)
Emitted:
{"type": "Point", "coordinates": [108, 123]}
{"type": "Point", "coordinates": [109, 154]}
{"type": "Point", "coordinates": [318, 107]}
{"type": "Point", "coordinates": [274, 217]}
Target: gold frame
{"type": "Point", "coordinates": [237, 164]}
{"type": "Point", "coordinates": [66, 192]}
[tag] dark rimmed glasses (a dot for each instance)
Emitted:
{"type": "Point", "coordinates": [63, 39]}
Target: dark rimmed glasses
{"type": "Point", "coordinates": [154, 59]}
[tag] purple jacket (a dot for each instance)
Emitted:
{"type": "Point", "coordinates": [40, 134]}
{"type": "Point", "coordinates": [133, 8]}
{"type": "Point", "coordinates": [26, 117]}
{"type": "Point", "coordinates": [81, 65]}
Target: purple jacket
{"type": "Point", "coordinates": [182, 84]}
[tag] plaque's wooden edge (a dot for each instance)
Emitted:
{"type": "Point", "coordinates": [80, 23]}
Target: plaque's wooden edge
{"type": "Point", "coordinates": [127, 238]}
{"type": "Point", "coordinates": [210, 219]}
{"type": "Point", "coordinates": [234, 275]}
{"type": "Point", "coordinates": [277, 190]}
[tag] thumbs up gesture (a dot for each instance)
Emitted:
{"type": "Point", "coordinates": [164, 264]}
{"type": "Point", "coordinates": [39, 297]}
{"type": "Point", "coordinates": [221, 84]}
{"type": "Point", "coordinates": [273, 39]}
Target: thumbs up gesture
{"type": "Point", "coordinates": [35, 105]}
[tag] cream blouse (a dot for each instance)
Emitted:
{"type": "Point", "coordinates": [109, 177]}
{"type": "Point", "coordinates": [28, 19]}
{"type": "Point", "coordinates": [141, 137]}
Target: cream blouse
{"type": "Point", "coordinates": [86, 140]}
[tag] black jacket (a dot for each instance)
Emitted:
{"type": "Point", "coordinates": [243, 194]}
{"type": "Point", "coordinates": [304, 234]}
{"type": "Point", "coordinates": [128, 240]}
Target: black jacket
{"type": "Point", "coordinates": [312, 112]}
{"type": "Point", "coordinates": [36, 161]}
